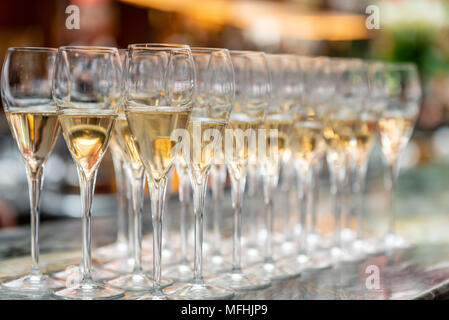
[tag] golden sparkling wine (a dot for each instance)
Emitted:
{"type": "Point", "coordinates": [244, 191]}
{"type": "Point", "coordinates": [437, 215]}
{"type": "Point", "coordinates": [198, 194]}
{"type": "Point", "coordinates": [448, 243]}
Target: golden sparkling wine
{"type": "Point", "coordinates": [35, 134]}
{"type": "Point", "coordinates": [284, 128]}
{"type": "Point", "coordinates": [307, 139]}
{"type": "Point", "coordinates": [206, 140]}
{"type": "Point", "coordinates": [364, 135]}
{"type": "Point", "coordinates": [343, 134]}
{"type": "Point", "coordinates": [243, 144]}
{"type": "Point", "coordinates": [152, 130]}
{"type": "Point", "coordinates": [87, 137]}
{"type": "Point", "coordinates": [123, 140]}
{"type": "Point", "coordinates": [394, 135]}
{"type": "Point", "coordinates": [339, 134]}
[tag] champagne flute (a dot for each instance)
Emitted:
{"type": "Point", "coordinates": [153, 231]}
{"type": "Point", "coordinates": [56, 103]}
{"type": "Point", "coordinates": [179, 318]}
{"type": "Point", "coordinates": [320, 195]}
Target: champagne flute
{"type": "Point", "coordinates": [342, 133]}
{"type": "Point", "coordinates": [214, 94]}
{"type": "Point", "coordinates": [120, 251]}
{"type": "Point", "coordinates": [403, 95]}
{"type": "Point", "coordinates": [307, 146]}
{"type": "Point", "coordinates": [87, 91]}
{"type": "Point", "coordinates": [253, 88]}
{"type": "Point", "coordinates": [158, 98]}
{"type": "Point", "coordinates": [137, 279]}
{"type": "Point", "coordinates": [374, 106]}
{"type": "Point", "coordinates": [283, 72]}
{"type": "Point", "coordinates": [33, 120]}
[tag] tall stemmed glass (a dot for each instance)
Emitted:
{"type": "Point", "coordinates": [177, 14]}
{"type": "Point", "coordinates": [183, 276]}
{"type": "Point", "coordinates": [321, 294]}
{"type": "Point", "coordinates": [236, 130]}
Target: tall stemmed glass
{"type": "Point", "coordinates": [136, 280]}
{"type": "Point", "coordinates": [307, 147]}
{"type": "Point", "coordinates": [368, 122]}
{"type": "Point", "coordinates": [282, 72]}
{"type": "Point", "coordinates": [121, 249]}
{"type": "Point", "coordinates": [87, 90]}
{"type": "Point", "coordinates": [253, 89]}
{"type": "Point", "coordinates": [214, 94]}
{"type": "Point", "coordinates": [403, 93]}
{"type": "Point", "coordinates": [342, 133]}
{"type": "Point", "coordinates": [31, 113]}
{"type": "Point", "coordinates": [158, 100]}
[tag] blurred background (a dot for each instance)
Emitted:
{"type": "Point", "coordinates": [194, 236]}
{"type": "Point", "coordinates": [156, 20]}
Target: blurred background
{"type": "Point", "coordinates": [409, 30]}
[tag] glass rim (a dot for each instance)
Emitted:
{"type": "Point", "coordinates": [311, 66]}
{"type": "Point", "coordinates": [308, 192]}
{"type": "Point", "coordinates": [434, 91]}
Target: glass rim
{"type": "Point", "coordinates": [33, 49]}
{"type": "Point", "coordinates": [206, 49]}
{"type": "Point", "coordinates": [247, 52]}
{"type": "Point", "coordinates": [158, 46]}
{"type": "Point", "coordinates": [89, 49]}
{"type": "Point", "coordinates": [282, 55]}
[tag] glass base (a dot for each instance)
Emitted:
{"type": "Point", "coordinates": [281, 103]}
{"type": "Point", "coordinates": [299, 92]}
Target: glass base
{"type": "Point", "coordinates": [117, 250]}
{"type": "Point", "coordinates": [314, 240]}
{"type": "Point", "coordinates": [125, 266]}
{"type": "Point", "coordinates": [394, 241]}
{"type": "Point", "coordinates": [286, 249]}
{"type": "Point", "coordinates": [299, 264]}
{"type": "Point", "coordinates": [157, 294]}
{"type": "Point", "coordinates": [73, 271]}
{"type": "Point", "coordinates": [239, 280]}
{"type": "Point", "coordinates": [202, 291]}
{"type": "Point", "coordinates": [216, 265]}
{"type": "Point", "coordinates": [320, 260]}
{"type": "Point", "coordinates": [180, 273]}
{"type": "Point", "coordinates": [169, 258]}
{"type": "Point", "coordinates": [90, 290]}
{"type": "Point", "coordinates": [35, 284]}
{"type": "Point", "coordinates": [252, 254]}
{"type": "Point", "coordinates": [363, 247]}
{"type": "Point", "coordinates": [273, 271]}
{"type": "Point", "coordinates": [133, 282]}
{"type": "Point", "coordinates": [347, 235]}
{"type": "Point", "coordinates": [340, 255]}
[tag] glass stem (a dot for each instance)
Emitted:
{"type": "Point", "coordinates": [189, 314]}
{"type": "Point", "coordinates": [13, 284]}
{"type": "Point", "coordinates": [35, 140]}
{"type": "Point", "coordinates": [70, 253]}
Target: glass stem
{"type": "Point", "coordinates": [337, 175]}
{"type": "Point", "coordinates": [184, 198]}
{"type": "Point", "coordinates": [304, 176]}
{"type": "Point", "coordinates": [158, 190]}
{"type": "Point", "coordinates": [87, 186]}
{"type": "Point", "coordinates": [199, 194]}
{"type": "Point", "coordinates": [287, 175]}
{"type": "Point", "coordinates": [393, 171]}
{"type": "Point", "coordinates": [268, 186]}
{"type": "Point", "coordinates": [252, 208]}
{"type": "Point", "coordinates": [237, 190]}
{"type": "Point", "coordinates": [218, 173]}
{"type": "Point", "coordinates": [35, 181]}
{"type": "Point", "coordinates": [137, 189]}
{"type": "Point", "coordinates": [350, 177]}
{"type": "Point", "coordinates": [358, 189]}
{"type": "Point", "coordinates": [315, 194]}
{"type": "Point", "coordinates": [121, 190]}
{"type": "Point", "coordinates": [130, 215]}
